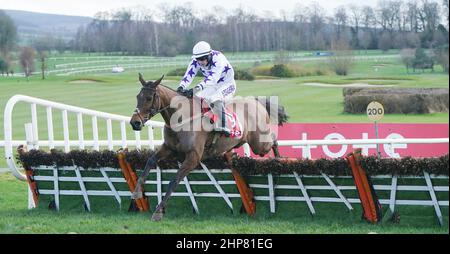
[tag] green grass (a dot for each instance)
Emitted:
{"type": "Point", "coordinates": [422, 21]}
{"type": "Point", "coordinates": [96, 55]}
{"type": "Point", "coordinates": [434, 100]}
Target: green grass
{"type": "Point", "coordinates": [214, 217]}
{"type": "Point", "coordinates": [116, 94]}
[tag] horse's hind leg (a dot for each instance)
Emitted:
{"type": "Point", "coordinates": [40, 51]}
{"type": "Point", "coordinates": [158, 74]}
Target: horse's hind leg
{"type": "Point", "coordinates": [275, 150]}
{"type": "Point", "coordinates": [262, 148]}
{"type": "Point", "coordinates": [190, 162]}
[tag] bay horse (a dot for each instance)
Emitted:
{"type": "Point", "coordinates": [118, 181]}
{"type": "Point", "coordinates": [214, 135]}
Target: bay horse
{"type": "Point", "coordinates": [193, 146]}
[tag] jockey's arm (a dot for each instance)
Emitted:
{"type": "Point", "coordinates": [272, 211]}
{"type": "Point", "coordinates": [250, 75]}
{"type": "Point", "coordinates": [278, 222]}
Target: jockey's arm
{"type": "Point", "coordinates": [189, 75]}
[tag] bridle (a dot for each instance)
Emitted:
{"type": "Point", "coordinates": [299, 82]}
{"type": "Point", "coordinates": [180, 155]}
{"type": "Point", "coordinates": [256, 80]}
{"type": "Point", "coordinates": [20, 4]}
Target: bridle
{"type": "Point", "coordinates": [153, 110]}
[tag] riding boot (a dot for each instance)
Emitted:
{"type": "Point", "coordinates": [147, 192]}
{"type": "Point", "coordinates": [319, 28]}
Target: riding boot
{"type": "Point", "coordinates": [222, 125]}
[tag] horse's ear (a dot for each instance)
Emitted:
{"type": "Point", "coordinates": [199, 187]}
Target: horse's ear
{"type": "Point", "coordinates": [156, 83]}
{"type": "Point", "coordinates": [141, 79]}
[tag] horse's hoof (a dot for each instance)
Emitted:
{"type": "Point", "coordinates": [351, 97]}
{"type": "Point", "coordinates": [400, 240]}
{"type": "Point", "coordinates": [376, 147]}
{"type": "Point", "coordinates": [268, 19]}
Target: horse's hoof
{"type": "Point", "coordinates": [136, 195]}
{"type": "Point", "coordinates": [157, 216]}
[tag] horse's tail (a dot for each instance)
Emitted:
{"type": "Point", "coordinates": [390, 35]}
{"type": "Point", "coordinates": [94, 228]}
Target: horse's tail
{"type": "Point", "coordinates": [274, 109]}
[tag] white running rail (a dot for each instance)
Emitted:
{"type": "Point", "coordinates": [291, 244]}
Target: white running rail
{"type": "Point", "coordinates": [32, 130]}
{"type": "Point", "coordinates": [33, 140]}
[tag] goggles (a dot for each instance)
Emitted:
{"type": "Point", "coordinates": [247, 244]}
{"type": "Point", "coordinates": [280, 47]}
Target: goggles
{"type": "Point", "coordinates": [202, 58]}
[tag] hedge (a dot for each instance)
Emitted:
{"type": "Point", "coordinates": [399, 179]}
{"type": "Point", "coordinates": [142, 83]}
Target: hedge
{"type": "Point", "coordinates": [397, 100]}
{"type": "Point", "coordinates": [246, 166]}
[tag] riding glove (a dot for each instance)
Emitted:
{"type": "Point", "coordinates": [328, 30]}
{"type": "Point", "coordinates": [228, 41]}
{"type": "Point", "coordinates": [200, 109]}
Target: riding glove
{"type": "Point", "coordinates": [180, 90]}
{"type": "Point", "coordinates": [189, 93]}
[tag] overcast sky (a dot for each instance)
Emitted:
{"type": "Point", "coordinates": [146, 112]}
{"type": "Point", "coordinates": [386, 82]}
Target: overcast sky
{"type": "Point", "coordinates": [90, 7]}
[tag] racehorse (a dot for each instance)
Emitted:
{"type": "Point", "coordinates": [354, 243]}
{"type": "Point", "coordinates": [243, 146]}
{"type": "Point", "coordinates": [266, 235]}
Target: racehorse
{"type": "Point", "coordinates": [192, 146]}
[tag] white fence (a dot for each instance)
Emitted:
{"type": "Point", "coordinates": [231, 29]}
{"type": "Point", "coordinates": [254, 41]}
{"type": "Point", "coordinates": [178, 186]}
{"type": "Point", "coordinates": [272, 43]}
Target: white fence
{"type": "Point", "coordinates": [95, 65]}
{"type": "Point", "coordinates": [270, 186]}
{"type": "Point", "coordinates": [33, 140]}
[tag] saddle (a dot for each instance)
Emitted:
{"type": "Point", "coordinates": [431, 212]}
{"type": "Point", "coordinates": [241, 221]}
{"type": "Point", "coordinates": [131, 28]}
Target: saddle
{"type": "Point", "coordinates": [232, 120]}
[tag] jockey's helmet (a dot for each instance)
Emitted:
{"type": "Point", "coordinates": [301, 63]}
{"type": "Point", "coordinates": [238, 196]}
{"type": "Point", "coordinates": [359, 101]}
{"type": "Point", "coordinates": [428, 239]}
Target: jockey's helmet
{"type": "Point", "coordinates": [202, 48]}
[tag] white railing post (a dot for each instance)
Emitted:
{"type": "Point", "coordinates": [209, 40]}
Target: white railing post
{"type": "Point", "coordinates": [34, 121]}
{"type": "Point", "coordinates": [123, 134]}
{"type": "Point", "coordinates": [271, 193]}
{"type": "Point", "coordinates": [158, 184]}
{"type": "Point", "coordinates": [29, 136]}
{"type": "Point", "coordinates": [56, 187]}
{"type": "Point", "coordinates": [393, 193]}
{"type": "Point", "coordinates": [66, 131]}
{"type": "Point", "coordinates": [137, 135]}
{"type": "Point", "coordinates": [95, 133]}
{"type": "Point", "coordinates": [80, 130]}
{"type": "Point", "coordinates": [109, 134]}
{"type": "Point", "coordinates": [51, 137]}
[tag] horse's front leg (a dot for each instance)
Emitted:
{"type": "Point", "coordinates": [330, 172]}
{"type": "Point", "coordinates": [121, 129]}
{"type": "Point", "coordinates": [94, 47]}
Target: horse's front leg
{"type": "Point", "coordinates": [190, 162]}
{"type": "Point", "coordinates": [162, 153]}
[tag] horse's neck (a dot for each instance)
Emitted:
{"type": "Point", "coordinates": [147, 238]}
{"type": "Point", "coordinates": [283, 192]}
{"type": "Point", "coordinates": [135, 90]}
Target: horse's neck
{"type": "Point", "coordinates": [166, 95]}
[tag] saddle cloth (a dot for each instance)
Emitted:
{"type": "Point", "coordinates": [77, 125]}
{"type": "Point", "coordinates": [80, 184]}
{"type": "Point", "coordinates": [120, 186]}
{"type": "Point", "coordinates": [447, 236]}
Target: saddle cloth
{"type": "Point", "coordinates": [233, 123]}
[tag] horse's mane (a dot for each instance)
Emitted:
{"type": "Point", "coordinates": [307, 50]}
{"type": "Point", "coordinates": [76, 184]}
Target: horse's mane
{"type": "Point", "coordinates": [175, 91]}
{"type": "Point", "coordinates": [150, 87]}
{"type": "Point", "coordinates": [168, 87]}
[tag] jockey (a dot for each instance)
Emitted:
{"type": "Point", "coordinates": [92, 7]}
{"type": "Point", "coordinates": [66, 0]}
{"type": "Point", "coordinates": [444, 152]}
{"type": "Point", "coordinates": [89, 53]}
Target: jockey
{"type": "Point", "coordinates": [218, 84]}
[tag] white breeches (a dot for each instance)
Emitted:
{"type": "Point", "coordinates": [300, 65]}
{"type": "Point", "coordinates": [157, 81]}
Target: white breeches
{"type": "Point", "coordinates": [217, 93]}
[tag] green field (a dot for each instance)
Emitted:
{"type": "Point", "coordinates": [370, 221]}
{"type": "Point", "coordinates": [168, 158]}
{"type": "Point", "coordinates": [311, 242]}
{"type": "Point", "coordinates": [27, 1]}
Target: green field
{"type": "Point", "coordinates": [115, 93]}
{"type": "Point", "coordinates": [214, 218]}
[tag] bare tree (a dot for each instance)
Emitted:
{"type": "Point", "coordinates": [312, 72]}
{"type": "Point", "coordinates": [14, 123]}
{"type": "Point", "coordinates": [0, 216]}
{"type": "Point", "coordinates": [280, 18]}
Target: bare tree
{"type": "Point", "coordinates": [27, 55]}
{"type": "Point", "coordinates": [7, 63]}
{"type": "Point", "coordinates": [3, 67]}
{"type": "Point", "coordinates": [300, 16]}
{"type": "Point", "coordinates": [305, 28]}
{"type": "Point", "coordinates": [385, 42]}
{"type": "Point", "coordinates": [316, 17]}
{"type": "Point", "coordinates": [156, 36]}
{"type": "Point", "coordinates": [356, 15]}
{"type": "Point", "coordinates": [412, 11]}
{"type": "Point", "coordinates": [442, 57]}
{"type": "Point", "coordinates": [445, 11]}
{"type": "Point", "coordinates": [42, 59]}
{"type": "Point", "coordinates": [429, 15]}
{"type": "Point", "coordinates": [429, 18]}
{"type": "Point", "coordinates": [389, 14]}
{"type": "Point", "coordinates": [342, 59]}
{"type": "Point", "coordinates": [365, 39]}
{"type": "Point", "coordinates": [368, 17]}
{"type": "Point", "coordinates": [8, 33]}
{"type": "Point", "coordinates": [340, 18]}
{"type": "Point", "coordinates": [407, 55]}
